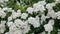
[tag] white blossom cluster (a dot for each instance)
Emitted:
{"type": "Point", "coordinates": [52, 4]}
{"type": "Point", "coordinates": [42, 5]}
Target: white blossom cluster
{"type": "Point", "coordinates": [19, 23]}
{"type": "Point", "coordinates": [3, 2]}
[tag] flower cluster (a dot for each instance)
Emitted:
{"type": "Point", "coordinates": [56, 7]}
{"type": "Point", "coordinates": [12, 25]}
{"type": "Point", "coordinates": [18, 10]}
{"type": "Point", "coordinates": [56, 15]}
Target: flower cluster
{"type": "Point", "coordinates": [19, 22]}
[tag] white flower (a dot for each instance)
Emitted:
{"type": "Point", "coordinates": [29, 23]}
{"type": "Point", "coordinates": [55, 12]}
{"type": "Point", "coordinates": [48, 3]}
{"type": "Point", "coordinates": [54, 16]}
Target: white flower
{"type": "Point", "coordinates": [18, 32]}
{"type": "Point", "coordinates": [23, 25]}
{"type": "Point", "coordinates": [10, 18]}
{"type": "Point", "coordinates": [43, 18]}
{"type": "Point", "coordinates": [37, 22]}
{"type": "Point", "coordinates": [48, 27]}
{"type": "Point", "coordinates": [25, 28]}
{"type": "Point", "coordinates": [10, 10]}
{"type": "Point", "coordinates": [13, 28]}
{"type": "Point", "coordinates": [14, 14]}
{"type": "Point", "coordinates": [2, 26]}
{"type": "Point", "coordinates": [24, 15]}
{"type": "Point", "coordinates": [34, 21]}
{"type": "Point", "coordinates": [18, 27]}
{"type": "Point", "coordinates": [42, 2]}
{"type": "Point", "coordinates": [49, 6]}
{"type": "Point", "coordinates": [3, 22]}
{"type": "Point", "coordinates": [19, 13]}
{"type": "Point", "coordinates": [35, 6]}
{"type": "Point", "coordinates": [31, 20]}
{"type": "Point", "coordinates": [58, 15]}
{"type": "Point", "coordinates": [19, 23]}
{"type": "Point", "coordinates": [1, 1]}
{"type": "Point", "coordinates": [30, 10]}
{"type": "Point", "coordinates": [2, 14]}
{"type": "Point", "coordinates": [51, 13]}
{"type": "Point", "coordinates": [9, 24]}
{"type": "Point", "coordinates": [18, 10]}
{"type": "Point", "coordinates": [38, 7]}
{"type": "Point", "coordinates": [57, 1]}
{"type": "Point", "coordinates": [7, 9]}
{"type": "Point", "coordinates": [51, 22]}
